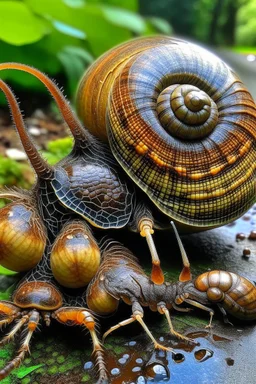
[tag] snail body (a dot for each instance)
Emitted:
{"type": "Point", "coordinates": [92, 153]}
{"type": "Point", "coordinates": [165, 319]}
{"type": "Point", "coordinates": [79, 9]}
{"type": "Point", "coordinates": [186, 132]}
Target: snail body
{"type": "Point", "coordinates": [180, 123]}
{"type": "Point", "coordinates": [75, 255]}
{"type": "Point", "coordinates": [22, 233]}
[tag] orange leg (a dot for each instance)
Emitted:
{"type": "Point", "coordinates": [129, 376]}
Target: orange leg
{"type": "Point", "coordinates": [185, 274]}
{"type": "Point", "coordinates": [82, 316]}
{"type": "Point", "coordinates": [9, 312]}
{"type": "Point", "coordinates": [32, 320]}
{"type": "Point", "coordinates": [146, 230]}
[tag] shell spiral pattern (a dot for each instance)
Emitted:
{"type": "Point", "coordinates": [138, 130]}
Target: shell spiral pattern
{"type": "Point", "coordinates": [181, 124]}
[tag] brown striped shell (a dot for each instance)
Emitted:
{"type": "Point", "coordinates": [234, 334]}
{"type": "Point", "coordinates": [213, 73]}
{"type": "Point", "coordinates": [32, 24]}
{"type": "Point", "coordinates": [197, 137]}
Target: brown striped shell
{"type": "Point", "coordinates": [181, 124]}
{"type": "Point", "coordinates": [237, 294]}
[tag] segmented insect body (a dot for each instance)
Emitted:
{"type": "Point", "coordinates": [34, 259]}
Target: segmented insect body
{"type": "Point", "coordinates": [120, 277]}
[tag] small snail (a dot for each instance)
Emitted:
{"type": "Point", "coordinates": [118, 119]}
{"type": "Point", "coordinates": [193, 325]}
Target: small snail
{"type": "Point", "coordinates": [180, 123]}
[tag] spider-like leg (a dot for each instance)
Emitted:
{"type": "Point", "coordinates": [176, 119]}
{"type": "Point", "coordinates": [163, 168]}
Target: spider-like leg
{"type": "Point", "coordinates": [32, 323]}
{"type": "Point", "coordinates": [185, 274]}
{"type": "Point", "coordinates": [137, 315]}
{"type": "Point", "coordinates": [82, 316]}
{"type": "Point", "coordinates": [9, 312]}
{"type": "Point", "coordinates": [161, 307]}
{"type": "Point", "coordinates": [6, 339]}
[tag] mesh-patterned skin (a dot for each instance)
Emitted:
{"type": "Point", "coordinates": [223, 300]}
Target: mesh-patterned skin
{"type": "Point", "coordinates": [180, 123]}
{"type": "Point", "coordinates": [88, 181]}
{"type": "Point", "coordinates": [120, 277]}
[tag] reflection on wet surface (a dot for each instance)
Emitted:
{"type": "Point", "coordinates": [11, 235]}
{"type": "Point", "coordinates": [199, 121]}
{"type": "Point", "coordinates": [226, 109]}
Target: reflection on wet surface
{"type": "Point", "coordinates": [199, 362]}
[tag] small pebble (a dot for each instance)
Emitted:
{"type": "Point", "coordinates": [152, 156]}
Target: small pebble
{"type": "Point", "coordinates": [16, 154]}
{"type": "Point", "coordinates": [230, 361]}
{"type": "Point", "coordinates": [115, 371]}
{"type": "Point", "coordinates": [240, 236]}
{"type": "Point", "coordinates": [139, 361]}
{"type": "Point", "coordinates": [126, 356]}
{"type": "Point", "coordinates": [252, 235]}
{"type": "Point", "coordinates": [34, 131]}
{"type": "Point", "coordinates": [246, 252]}
{"type": "Point", "coordinates": [132, 343]}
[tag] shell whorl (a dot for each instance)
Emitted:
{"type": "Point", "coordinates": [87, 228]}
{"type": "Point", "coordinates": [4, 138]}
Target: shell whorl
{"type": "Point", "coordinates": [186, 112]}
{"type": "Point", "coordinates": [196, 161]}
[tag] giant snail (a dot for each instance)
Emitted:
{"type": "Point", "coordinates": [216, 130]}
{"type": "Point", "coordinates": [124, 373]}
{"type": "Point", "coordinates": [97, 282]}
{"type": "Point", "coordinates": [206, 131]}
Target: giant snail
{"type": "Point", "coordinates": [179, 122]}
{"type": "Point", "coordinates": [195, 166]}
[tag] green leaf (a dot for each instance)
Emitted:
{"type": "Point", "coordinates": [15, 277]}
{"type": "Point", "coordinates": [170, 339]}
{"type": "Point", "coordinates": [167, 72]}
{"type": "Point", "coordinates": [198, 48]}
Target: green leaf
{"type": "Point", "coordinates": [160, 25]}
{"type": "Point", "coordinates": [101, 33]}
{"type": "Point", "coordinates": [5, 271]}
{"type": "Point", "coordinates": [24, 371]}
{"type": "Point", "coordinates": [7, 294]}
{"type": "Point", "coordinates": [126, 18]}
{"type": "Point", "coordinates": [19, 25]}
{"type": "Point", "coordinates": [74, 61]}
{"type": "Point", "coordinates": [131, 5]}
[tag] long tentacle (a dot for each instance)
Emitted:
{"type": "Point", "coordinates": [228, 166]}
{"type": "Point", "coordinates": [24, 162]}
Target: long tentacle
{"type": "Point", "coordinates": [41, 167]}
{"type": "Point", "coordinates": [81, 136]}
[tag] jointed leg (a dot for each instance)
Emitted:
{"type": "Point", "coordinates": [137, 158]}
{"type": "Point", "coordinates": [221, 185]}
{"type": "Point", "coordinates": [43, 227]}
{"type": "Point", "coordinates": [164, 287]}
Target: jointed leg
{"type": "Point", "coordinates": [9, 311]}
{"type": "Point", "coordinates": [82, 316]}
{"type": "Point", "coordinates": [146, 230]}
{"type": "Point", "coordinates": [185, 274]}
{"type": "Point", "coordinates": [15, 329]}
{"type": "Point", "coordinates": [32, 325]}
{"type": "Point", "coordinates": [203, 307]}
{"type": "Point", "coordinates": [137, 315]}
{"type": "Point", "coordinates": [163, 310]}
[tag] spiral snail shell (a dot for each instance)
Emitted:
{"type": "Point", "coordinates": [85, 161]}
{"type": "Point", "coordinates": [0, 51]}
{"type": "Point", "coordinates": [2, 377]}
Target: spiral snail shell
{"type": "Point", "coordinates": [180, 123]}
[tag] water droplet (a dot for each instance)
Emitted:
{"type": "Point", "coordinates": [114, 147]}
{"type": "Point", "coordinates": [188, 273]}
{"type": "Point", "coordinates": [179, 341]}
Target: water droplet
{"type": "Point", "coordinates": [132, 343]}
{"type": "Point", "coordinates": [161, 339]}
{"type": "Point", "coordinates": [157, 372]}
{"type": "Point", "coordinates": [126, 356]}
{"type": "Point", "coordinates": [203, 354]}
{"type": "Point", "coordinates": [115, 371]}
{"type": "Point", "coordinates": [141, 380]}
{"type": "Point", "coordinates": [122, 360]}
{"type": "Point", "coordinates": [88, 365]}
{"type": "Point", "coordinates": [139, 361]}
{"type": "Point", "coordinates": [136, 369]}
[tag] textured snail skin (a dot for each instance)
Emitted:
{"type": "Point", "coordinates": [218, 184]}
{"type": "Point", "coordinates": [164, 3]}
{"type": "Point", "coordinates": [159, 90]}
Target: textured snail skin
{"type": "Point", "coordinates": [195, 161]}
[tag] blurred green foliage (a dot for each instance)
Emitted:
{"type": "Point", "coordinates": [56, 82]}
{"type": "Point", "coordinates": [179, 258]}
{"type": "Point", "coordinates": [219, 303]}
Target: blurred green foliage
{"type": "Point", "coordinates": [67, 35]}
{"type": "Point", "coordinates": [246, 29]}
{"type": "Point", "coordinates": [12, 173]}
{"type": "Point", "coordinates": [58, 149]}
{"type": "Point", "coordinates": [216, 22]}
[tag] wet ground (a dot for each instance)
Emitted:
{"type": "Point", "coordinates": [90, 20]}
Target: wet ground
{"type": "Point", "coordinates": [226, 354]}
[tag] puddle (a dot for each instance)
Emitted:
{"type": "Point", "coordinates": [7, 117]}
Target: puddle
{"type": "Point", "coordinates": [196, 363]}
